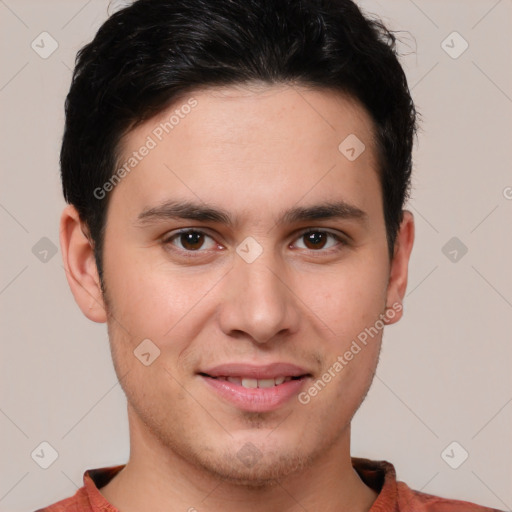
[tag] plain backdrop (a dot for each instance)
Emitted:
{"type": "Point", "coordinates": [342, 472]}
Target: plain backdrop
{"type": "Point", "coordinates": [444, 374]}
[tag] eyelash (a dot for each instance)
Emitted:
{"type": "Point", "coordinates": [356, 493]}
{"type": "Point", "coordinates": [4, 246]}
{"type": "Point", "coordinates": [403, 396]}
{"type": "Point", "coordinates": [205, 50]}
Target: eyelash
{"type": "Point", "coordinates": [168, 241]}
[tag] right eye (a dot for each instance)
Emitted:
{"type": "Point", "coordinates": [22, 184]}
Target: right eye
{"type": "Point", "coordinates": [190, 240]}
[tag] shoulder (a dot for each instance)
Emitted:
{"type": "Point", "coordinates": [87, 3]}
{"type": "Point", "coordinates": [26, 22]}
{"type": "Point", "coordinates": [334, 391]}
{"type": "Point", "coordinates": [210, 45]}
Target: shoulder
{"type": "Point", "coordinates": [397, 496]}
{"type": "Point", "coordinates": [409, 499]}
{"type": "Point", "coordinates": [88, 498]}
{"type": "Point", "coordinates": [76, 503]}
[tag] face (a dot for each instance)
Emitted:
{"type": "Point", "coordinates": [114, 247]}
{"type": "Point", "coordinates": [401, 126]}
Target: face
{"type": "Point", "coordinates": [245, 244]}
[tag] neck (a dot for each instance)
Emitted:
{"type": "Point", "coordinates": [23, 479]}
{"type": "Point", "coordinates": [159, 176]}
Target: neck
{"type": "Point", "coordinates": [157, 478]}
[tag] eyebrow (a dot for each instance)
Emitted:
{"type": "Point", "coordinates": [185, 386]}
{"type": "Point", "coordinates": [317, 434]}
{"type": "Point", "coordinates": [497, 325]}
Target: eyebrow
{"type": "Point", "coordinates": [204, 213]}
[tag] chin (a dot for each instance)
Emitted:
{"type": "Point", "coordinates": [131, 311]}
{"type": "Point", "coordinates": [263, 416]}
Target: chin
{"type": "Point", "coordinates": [253, 468]}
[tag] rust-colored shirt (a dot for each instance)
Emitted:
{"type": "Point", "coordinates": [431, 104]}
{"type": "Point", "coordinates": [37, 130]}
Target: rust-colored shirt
{"type": "Point", "coordinates": [394, 496]}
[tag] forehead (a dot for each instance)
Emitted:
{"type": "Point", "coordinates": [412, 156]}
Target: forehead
{"type": "Point", "coordinates": [278, 113]}
{"type": "Point", "coordinates": [257, 141]}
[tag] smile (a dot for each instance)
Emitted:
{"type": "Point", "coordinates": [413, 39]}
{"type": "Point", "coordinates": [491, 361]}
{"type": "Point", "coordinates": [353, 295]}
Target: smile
{"type": "Point", "coordinates": [250, 383]}
{"type": "Point", "coordinates": [256, 395]}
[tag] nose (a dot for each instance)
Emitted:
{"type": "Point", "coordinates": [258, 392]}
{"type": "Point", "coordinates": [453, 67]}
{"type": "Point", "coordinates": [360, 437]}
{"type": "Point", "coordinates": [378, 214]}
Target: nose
{"type": "Point", "coordinates": [258, 303]}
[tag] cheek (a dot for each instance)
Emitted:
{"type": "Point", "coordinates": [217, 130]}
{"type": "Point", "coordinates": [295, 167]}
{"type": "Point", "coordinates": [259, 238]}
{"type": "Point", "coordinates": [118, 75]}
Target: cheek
{"type": "Point", "coordinates": [350, 298]}
{"type": "Point", "coordinates": [167, 305]}
{"type": "Point", "coordinates": [145, 297]}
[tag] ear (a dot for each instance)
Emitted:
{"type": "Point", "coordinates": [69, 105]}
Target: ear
{"type": "Point", "coordinates": [80, 265]}
{"type": "Point", "coordinates": [397, 283]}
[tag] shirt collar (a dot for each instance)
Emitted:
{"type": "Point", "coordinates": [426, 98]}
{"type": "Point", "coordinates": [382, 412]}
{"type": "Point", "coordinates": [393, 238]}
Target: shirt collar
{"type": "Point", "coordinates": [378, 475]}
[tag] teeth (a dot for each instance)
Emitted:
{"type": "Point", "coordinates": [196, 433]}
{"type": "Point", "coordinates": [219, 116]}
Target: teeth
{"type": "Point", "coordinates": [256, 383]}
{"type": "Point", "coordinates": [249, 383]}
{"type": "Point", "coordinates": [266, 383]}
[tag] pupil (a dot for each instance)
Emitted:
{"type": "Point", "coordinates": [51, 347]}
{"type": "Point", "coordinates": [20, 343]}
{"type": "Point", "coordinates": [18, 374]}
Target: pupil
{"type": "Point", "coordinates": [190, 240]}
{"type": "Point", "coordinates": [316, 238]}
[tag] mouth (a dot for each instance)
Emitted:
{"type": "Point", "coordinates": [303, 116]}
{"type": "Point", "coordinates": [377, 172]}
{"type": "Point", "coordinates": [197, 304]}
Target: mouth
{"type": "Point", "coordinates": [255, 388]}
{"type": "Point", "coordinates": [252, 383]}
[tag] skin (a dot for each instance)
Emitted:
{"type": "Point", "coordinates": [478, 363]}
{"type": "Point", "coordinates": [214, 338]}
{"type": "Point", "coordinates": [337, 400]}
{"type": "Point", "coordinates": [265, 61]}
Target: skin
{"type": "Point", "coordinates": [254, 151]}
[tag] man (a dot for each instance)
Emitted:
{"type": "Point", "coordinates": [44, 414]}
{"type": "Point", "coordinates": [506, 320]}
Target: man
{"type": "Point", "coordinates": [236, 173]}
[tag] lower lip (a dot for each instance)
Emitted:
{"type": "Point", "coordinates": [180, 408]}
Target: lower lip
{"type": "Point", "coordinates": [256, 399]}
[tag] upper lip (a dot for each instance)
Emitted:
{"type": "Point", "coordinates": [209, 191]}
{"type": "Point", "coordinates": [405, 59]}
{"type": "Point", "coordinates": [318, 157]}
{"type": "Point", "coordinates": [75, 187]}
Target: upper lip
{"type": "Point", "coordinates": [269, 371]}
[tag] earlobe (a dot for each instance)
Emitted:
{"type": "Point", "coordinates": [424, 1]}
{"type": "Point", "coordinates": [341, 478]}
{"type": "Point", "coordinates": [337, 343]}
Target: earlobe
{"type": "Point", "coordinates": [80, 266]}
{"type": "Point", "coordinates": [397, 283]}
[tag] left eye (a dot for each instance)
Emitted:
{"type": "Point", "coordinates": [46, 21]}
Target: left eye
{"type": "Point", "coordinates": [191, 240]}
{"type": "Point", "coordinates": [314, 240]}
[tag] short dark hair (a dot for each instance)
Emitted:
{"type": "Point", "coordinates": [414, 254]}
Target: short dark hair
{"type": "Point", "coordinates": [150, 53]}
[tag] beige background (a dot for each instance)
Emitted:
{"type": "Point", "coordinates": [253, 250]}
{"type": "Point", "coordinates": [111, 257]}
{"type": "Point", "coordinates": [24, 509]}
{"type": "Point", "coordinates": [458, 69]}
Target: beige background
{"type": "Point", "coordinates": [445, 372]}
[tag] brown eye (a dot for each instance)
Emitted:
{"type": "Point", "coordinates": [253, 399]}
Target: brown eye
{"type": "Point", "coordinates": [318, 239]}
{"type": "Point", "coordinates": [315, 240]}
{"type": "Point", "coordinates": [191, 240]}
